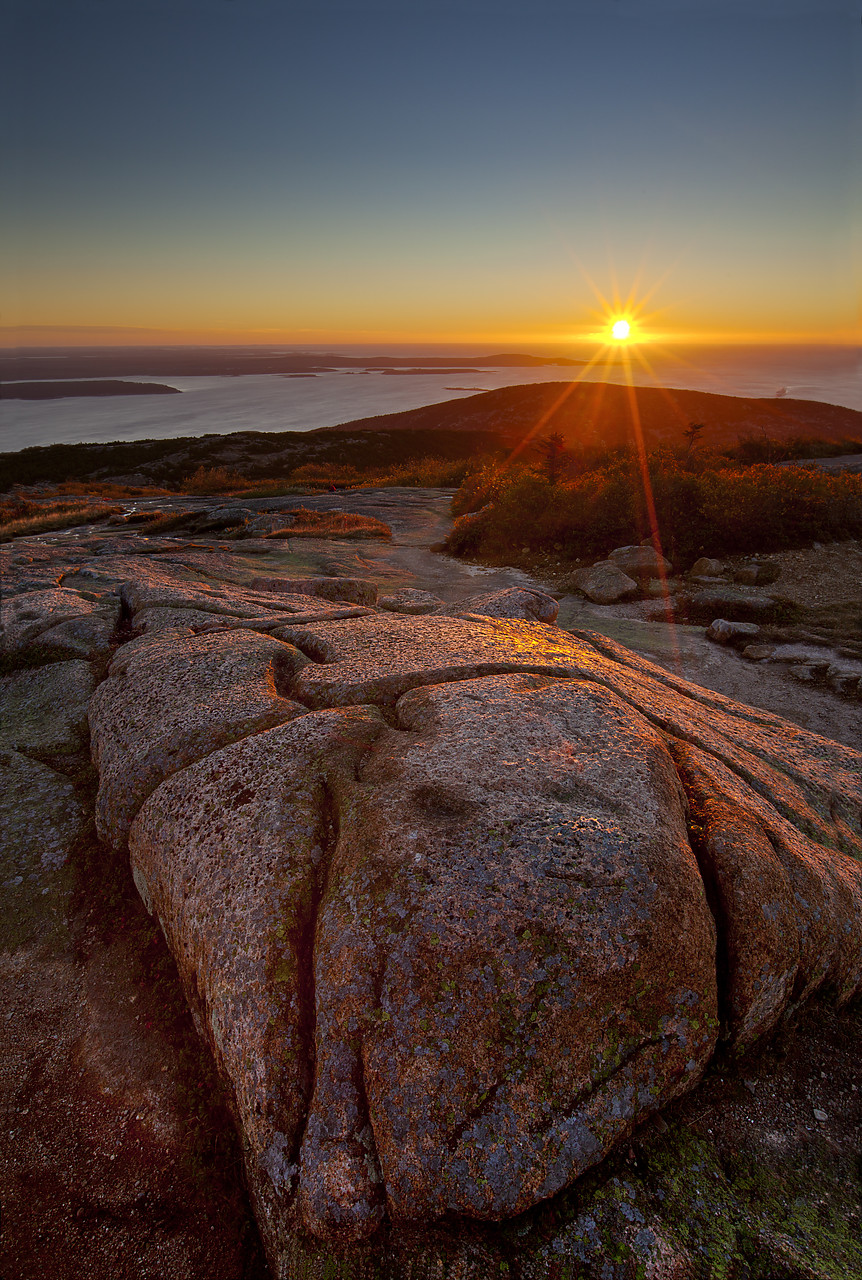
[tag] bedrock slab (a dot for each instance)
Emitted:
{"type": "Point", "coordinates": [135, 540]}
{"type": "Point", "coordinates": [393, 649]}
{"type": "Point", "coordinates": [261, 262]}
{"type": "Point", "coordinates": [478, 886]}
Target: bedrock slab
{"type": "Point", "coordinates": [41, 817]}
{"type": "Point", "coordinates": [51, 616]}
{"type": "Point", "coordinates": [44, 710]}
{"type": "Point", "coordinates": [167, 703]}
{"type": "Point", "coordinates": [377, 659]}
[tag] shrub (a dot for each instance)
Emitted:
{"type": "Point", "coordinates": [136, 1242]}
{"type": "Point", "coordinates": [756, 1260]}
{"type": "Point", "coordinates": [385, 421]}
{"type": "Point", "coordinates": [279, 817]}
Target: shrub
{"type": "Point", "coordinates": [703, 504]}
{"type": "Point", "coordinates": [214, 480]}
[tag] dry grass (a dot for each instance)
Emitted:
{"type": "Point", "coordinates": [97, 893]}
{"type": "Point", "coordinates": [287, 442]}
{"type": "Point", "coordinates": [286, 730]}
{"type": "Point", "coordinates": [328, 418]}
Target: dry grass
{"type": "Point", "coordinates": [161, 521]}
{"type": "Point", "coordinates": [302, 523]}
{"type": "Point", "coordinates": [18, 523]}
{"type": "Point", "coordinates": [427, 472]}
{"type": "Point", "coordinates": [100, 489]}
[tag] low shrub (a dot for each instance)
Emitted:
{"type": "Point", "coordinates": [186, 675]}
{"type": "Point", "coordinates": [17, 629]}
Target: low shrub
{"type": "Point", "coordinates": [703, 505]}
{"type": "Point", "coordinates": [750, 449]}
{"type": "Point", "coordinates": [214, 480]}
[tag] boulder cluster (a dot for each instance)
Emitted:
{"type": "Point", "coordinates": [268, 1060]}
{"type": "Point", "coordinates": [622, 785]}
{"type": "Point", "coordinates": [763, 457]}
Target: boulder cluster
{"type": "Point", "coordinates": [732, 607]}
{"type": "Point", "coordinates": [457, 898]}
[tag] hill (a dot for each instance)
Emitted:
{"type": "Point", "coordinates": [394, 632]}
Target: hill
{"type": "Point", "coordinates": [601, 414]}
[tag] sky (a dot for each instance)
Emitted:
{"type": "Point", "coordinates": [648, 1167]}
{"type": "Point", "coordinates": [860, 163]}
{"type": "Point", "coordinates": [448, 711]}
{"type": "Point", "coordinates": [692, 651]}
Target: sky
{"type": "Point", "coordinates": [511, 172]}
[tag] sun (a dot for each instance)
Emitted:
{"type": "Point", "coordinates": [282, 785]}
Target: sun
{"type": "Point", "coordinates": [620, 330]}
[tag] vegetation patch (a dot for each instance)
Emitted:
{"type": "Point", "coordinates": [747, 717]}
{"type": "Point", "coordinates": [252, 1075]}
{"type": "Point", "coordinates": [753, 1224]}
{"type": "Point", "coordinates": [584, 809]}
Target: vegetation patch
{"type": "Point", "coordinates": [302, 523]}
{"type": "Point", "coordinates": [700, 503]}
{"type": "Point", "coordinates": [20, 517]}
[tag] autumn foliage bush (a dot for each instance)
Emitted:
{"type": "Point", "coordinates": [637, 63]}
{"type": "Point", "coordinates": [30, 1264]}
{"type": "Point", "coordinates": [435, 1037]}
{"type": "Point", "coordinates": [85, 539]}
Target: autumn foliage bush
{"type": "Point", "coordinates": [703, 503]}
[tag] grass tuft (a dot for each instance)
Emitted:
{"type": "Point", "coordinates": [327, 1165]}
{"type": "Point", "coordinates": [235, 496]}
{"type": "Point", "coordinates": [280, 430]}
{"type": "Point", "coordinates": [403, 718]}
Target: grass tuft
{"type": "Point", "coordinates": [302, 523]}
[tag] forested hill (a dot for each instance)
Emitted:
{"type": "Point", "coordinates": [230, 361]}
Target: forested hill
{"type": "Point", "coordinates": [603, 414]}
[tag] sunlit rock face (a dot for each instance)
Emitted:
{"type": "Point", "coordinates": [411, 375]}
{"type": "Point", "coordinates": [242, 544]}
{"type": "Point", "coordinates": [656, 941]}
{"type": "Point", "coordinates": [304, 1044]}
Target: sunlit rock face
{"type": "Point", "coordinates": [457, 902]}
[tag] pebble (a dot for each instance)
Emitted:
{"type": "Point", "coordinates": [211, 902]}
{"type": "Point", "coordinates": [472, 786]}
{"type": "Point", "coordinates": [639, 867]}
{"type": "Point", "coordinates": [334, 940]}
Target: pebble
{"type": "Point", "coordinates": [820, 1115]}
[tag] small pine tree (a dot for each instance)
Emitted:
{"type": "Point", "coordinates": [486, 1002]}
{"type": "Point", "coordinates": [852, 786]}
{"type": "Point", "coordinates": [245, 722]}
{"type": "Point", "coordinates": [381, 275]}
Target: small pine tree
{"type": "Point", "coordinates": [553, 457]}
{"type": "Point", "coordinates": [692, 434]}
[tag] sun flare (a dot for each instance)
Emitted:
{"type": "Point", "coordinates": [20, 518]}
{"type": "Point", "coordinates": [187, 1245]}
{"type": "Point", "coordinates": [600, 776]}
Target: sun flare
{"type": "Point", "coordinates": [620, 330]}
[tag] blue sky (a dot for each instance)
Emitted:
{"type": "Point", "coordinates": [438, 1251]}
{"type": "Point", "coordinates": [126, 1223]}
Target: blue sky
{"type": "Point", "coordinates": [432, 171]}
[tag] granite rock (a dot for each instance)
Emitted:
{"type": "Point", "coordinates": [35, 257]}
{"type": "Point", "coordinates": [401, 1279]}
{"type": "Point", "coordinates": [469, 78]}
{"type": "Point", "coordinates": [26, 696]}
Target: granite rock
{"type": "Point", "coordinates": [706, 567]}
{"type": "Point", "coordinates": [32, 615]}
{"type": "Point", "coordinates": [759, 573]}
{"type": "Point", "coordinates": [640, 562]}
{"type": "Point", "coordinates": [41, 816]}
{"type": "Point", "coordinates": [604, 583]}
{"type": "Point", "coordinates": [446, 894]}
{"type": "Point", "coordinates": [410, 600]}
{"type": "Point", "coordinates": [164, 705]}
{"type": "Point", "coordinates": [44, 710]}
{"type": "Point", "coordinates": [511, 602]}
{"type": "Point", "coordinates": [732, 633]}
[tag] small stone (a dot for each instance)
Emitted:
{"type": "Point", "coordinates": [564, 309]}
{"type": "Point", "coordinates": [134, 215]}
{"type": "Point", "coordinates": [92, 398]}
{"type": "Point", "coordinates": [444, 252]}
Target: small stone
{"type": "Point", "coordinates": [843, 680]}
{"type": "Point", "coordinates": [724, 632]}
{"type": "Point", "coordinates": [758, 574]}
{"type": "Point", "coordinates": [706, 568]}
{"type": "Point", "coordinates": [820, 1115]}
{"type": "Point", "coordinates": [757, 652]}
{"type": "Point", "coordinates": [410, 600]}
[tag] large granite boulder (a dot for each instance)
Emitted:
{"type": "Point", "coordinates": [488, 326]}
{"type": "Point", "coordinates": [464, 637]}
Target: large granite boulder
{"type": "Point", "coordinates": [451, 927]}
{"type": "Point", "coordinates": [492, 1002]}
{"type": "Point", "coordinates": [167, 703]}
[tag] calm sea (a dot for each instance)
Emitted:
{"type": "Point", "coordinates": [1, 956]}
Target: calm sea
{"type": "Point", "coordinates": [277, 403]}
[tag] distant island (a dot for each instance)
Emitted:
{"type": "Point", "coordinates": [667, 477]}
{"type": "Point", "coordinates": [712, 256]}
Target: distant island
{"type": "Point", "coordinates": [33, 363]}
{"type": "Point", "coordinates": [62, 390]}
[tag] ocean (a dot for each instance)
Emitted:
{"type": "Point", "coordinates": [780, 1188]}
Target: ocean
{"type": "Point", "coordinates": [274, 402]}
